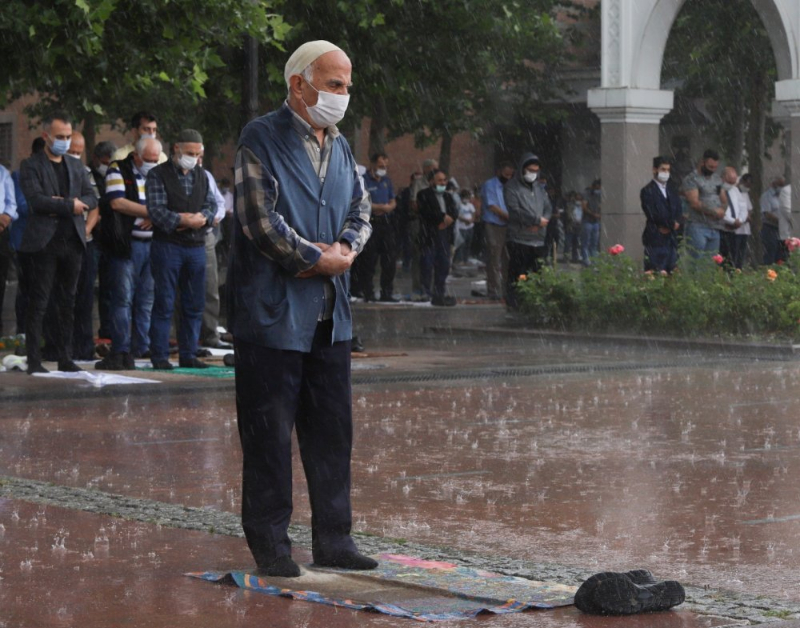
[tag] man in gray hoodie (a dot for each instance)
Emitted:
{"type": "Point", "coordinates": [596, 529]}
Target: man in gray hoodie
{"type": "Point", "coordinates": [529, 211]}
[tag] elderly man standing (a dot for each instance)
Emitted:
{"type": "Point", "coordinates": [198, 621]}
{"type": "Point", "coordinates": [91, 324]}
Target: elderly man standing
{"type": "Point", "coordinates": [181, 206]}
{"type": "Point", "coordinates": [127, 234]}
{"type": "Point", "coordinates": [301, 217]}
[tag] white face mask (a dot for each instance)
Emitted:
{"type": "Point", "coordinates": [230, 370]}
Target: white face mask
{"type": "Point", "coordinates": [187, 163]}
{"type": "Point", "coordinates": [329, 110]}
{"type": "Point", "coordinates": [102, 169]}
{"type": "Point", "coordinates": [530, 177]}
{"type": "Point", "coordinates": [663, 177]}
{"type": "Point", "coordinates": [381, 172]}
{"type": "Point", "coordinates": [147, 167]}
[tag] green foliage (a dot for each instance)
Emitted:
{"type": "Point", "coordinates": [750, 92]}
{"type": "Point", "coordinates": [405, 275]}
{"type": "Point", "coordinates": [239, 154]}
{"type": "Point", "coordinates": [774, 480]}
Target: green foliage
{"type": "Point", "coordinates": [614, 295]}
{"type": "Point", "coordinates": [434, 67]}
{"type": "Point", "coordinates": [105, 59]}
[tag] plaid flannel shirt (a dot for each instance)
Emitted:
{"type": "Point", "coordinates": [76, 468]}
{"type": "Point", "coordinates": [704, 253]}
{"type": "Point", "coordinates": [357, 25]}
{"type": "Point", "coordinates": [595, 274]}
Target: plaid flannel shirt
{"type": "Point", "coordinates": [257, 193]}
{"type": "Point", "coordinates": [157, 206]}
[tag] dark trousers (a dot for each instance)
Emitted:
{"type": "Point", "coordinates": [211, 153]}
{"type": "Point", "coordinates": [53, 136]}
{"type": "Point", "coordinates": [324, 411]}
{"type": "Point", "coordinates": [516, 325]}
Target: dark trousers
{"type": "Point", "coordinates": [382, 246]}
{"type": "Point", "coordinates": [772, 244]}
{"type": "Point", "coordinates": [82, 333]}
{"type": "Point", "coordinates": [733, 247]}
{"type": "Point", "coordinates": [661, 258]}
{"type": "Point", "coordinates": [21, 302]}
{"type": "Point", "coordinates": [53, 271]}
{"type": "Point", "coordinates": [6, 255]}
{"type": "Point", "coordinates": [522, 259]}
{"type": "Point", "coordinates": [277, 390]}
{"type": "Point", "coordinates": [435, 261]}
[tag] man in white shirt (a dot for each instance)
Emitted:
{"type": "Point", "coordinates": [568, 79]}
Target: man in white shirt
{"type": "Point", "coordinates": [737, 220]}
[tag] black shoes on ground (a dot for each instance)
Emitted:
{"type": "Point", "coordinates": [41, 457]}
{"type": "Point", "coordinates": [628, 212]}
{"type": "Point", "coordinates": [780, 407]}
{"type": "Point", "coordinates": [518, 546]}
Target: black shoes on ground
{"type": "Point", "coordinates": [281, 567]}
{"type": "Point", "coordinates": [388, 298]}
{"type": "Point", "coordinates": [346, 560]}
{"type": "Point", "coordinates": [229, 359]}
{"type": "Point", "coordinates": [69, 367]}
{"type": "Point", "coordinates": [446, 301]}
{"type": "Point", "coordinates": [162, 365]}
{"type": "Point", "coordinates": [285, 567]}
{"type": "Point", "coordinates": [116, 362]}
{"type": "Point", "coordinates": [36, 367]}
{"type": "Point", "coordinates": [356, 346]}
{"type": "Point", "coordinates": [610, 593]}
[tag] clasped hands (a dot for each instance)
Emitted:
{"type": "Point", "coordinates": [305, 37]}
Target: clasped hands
{"type": "Point", "coordinates": [335, 260]}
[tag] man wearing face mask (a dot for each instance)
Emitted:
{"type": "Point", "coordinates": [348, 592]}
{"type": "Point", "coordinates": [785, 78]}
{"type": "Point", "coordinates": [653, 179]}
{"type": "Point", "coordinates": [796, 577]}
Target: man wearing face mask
{"type": "Point", "coordinates": [529, 211]}
{"type": "Point", "coordinates": [702, 189]}
{"type": "Point", "coordinates": [661, 205]}
{"type": "Point", "coordinates": [181, 205]}
{"type": "Point", "coordinates": [301, 216]}
{"type": "Point", "coordinates": [127, 234]}
{"type": "Point", "coordinates": [770, 219]}
{"type": "Point", "coordinates": [143, 125]}
{"type": "Point", "coordinates": [59, 194]}
{"type": "Point", "coordinates": [101, 159]}
{"type": "Point", "coordinates": [494, 216]}
{"type": "Point", "coordinates": [437, 213]}
{"type": "Point", "coordinates": [382, 244]}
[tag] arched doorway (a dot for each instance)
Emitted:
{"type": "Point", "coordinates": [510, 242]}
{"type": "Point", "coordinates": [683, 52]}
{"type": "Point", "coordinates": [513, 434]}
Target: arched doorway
{"type": "Point", "coordinates": [630, 102]}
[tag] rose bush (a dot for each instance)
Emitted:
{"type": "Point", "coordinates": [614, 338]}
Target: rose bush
{"type": "Point", "coordinates": [614, 295]}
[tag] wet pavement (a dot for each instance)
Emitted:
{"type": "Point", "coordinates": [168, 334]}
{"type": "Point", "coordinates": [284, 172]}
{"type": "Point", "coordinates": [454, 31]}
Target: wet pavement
{"type": "Point", "coordinates": [527, 455]}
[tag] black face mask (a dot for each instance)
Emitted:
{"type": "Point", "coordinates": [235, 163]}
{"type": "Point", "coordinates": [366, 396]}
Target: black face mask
{"type": "Point", "coordinates": [706, 172]}
{"type": "Point", "coordinates": [503, 180]}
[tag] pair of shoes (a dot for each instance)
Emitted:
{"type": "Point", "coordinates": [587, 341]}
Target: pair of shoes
{"type": "Point", "coordinates": [203, 353]}
{"type": "Point", "coordinates": [446, 301]}
{"type": "Point", "coordinates": [193, 363]}
{"type": "Point", "coordinates": [356, 346]}
{"type": "Point", "coordinates": [610, 593]}
{"type": "Point", "coordinates": [68, 366]}
{"type": "Point", "coordinates": [36, 367]}
{"type": "Point", "coordinates": [112, 362]}
{"type": "Point", "coordinates": [162, 365]}
{"type": "Point", "coordinates": [388, 298]}
{"type": "Point", "coordinates": [346, 560]}
{"type": "Point", "coordinates": [281, 567]}
{"type": "Point", "coordinates": [229, 359]}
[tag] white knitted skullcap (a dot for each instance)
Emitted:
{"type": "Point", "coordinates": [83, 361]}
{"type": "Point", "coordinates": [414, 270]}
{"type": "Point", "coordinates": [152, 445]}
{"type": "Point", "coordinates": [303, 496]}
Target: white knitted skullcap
{"type": "Point", "coordinates": [305, 55]}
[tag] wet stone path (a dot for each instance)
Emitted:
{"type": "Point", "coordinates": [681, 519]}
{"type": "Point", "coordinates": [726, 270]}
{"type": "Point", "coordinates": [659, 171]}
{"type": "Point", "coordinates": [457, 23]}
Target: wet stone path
{"type": "Point", "coordinates": [544, 460]}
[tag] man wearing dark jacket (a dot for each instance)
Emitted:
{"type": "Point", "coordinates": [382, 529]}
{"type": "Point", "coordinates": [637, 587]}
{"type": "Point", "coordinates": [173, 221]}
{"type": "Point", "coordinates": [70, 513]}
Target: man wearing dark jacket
{"type": "Point", "coordinates": [662, 207]}
{"type": "Point", "coordinates": [529, 211]}
{"type": "Point", "coordinates": [437, 213]}
{"type": "Point", "coordinates": [59, 195]}
{"type": "Point", "coordinates": [181, 206]}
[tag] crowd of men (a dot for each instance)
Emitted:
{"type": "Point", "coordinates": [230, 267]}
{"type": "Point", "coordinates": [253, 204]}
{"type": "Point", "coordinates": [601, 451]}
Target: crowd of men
{"type": "Point", "coordinates": [142, 225]}
{"type": "Point", "coordinates": [145, 226]}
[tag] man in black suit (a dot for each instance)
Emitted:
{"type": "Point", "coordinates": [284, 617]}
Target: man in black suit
{"type": "Point", "coordinates": [662, 207]}
{"type": "Point", "coordinates": [59, 195]}
{"type": "Point", "coordinates": [437, 214]}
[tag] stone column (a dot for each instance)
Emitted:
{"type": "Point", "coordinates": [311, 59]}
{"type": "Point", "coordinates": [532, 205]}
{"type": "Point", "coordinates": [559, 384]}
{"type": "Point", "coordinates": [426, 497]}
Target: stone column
{"type": "Point", "coordinates": [629, 140]}
{"type": "Point", "coordinates": [787, 110]}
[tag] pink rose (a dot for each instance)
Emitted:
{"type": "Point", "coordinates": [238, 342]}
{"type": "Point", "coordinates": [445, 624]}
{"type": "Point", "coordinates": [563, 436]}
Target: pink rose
{"type": "Point", "coordinates": [718, 258]}
{"type": "Point", "coordinates": [616, 249]}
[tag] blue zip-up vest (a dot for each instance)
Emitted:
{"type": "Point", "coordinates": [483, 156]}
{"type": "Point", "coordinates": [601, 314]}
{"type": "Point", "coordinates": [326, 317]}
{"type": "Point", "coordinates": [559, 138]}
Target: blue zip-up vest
{"type": "Point", "coordinates": [267, 305]}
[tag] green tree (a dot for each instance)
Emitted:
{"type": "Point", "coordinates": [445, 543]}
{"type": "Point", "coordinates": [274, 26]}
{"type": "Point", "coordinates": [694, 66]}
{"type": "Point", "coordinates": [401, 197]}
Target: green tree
{"type": "Point", "coordinates": [436, 68]}
{"type": "Point", "coordinates": [102, 59]}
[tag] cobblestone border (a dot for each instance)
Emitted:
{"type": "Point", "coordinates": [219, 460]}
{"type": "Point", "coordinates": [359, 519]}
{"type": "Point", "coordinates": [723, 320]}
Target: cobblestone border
{"type": "Point", "coordinates": [737, 607]}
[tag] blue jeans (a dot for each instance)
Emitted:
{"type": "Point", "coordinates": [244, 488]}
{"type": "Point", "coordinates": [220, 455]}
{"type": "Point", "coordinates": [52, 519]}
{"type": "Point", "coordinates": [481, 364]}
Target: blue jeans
{"type": "Point", "coordinates": [131, 298]}
{"type": "Point", "coordinates": [701, 239]}
{"type": "Point", "coordinates": [175, 266]}
{"type": "Point", "coordinates": [590, 240]}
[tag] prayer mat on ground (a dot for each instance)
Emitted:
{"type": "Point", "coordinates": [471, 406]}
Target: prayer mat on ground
{"type": "Point", "coordinates": [218, 372]}
{"type": "Point", "coordinates": [404, 586]}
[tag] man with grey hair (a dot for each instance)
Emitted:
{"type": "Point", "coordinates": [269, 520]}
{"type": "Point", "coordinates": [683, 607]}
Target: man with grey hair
{"type": "Point", "coordinates": [181, 206]}
{"type": "Point", "coordinates": [127, 232]}
{"type": "Point", "coordinates": [301, 216]}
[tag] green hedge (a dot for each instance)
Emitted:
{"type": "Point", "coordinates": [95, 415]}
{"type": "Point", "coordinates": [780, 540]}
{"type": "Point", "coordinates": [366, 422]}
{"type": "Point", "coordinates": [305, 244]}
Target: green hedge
{"type": "Point", "coordinates": [614, 295]}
